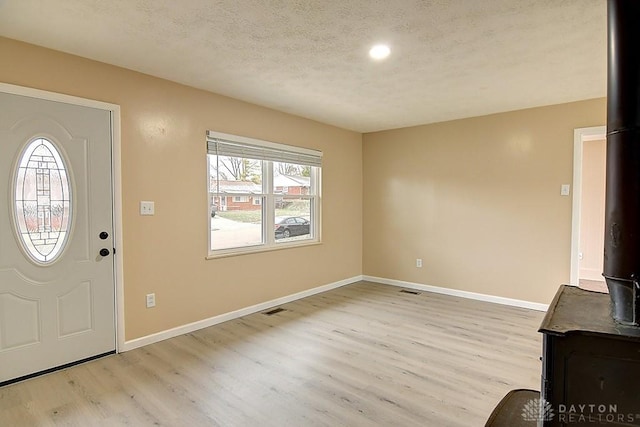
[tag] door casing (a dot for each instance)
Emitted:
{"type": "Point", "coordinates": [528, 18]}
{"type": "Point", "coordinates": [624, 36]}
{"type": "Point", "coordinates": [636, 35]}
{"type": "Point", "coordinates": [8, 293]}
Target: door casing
{"type": "Point", "coordinates": [580, 136]}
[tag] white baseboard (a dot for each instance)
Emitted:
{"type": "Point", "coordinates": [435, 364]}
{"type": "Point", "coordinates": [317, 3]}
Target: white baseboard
{"type": "Point", "coordinates": [205, 323]}
{"type": "Point", "coordinates": [458, 293]}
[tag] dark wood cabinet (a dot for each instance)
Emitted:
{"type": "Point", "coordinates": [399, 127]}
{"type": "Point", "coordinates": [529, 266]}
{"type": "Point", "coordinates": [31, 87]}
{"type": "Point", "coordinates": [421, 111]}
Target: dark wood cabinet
{"type": "Point", "coordinates": [590, 364]}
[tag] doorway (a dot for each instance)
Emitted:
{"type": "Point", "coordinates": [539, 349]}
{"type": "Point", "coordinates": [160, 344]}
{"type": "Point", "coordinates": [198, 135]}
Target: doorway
{"type": "Point", "coordinates": [587, 240]}
{"type": "Point", "coordinates": [57, 266]}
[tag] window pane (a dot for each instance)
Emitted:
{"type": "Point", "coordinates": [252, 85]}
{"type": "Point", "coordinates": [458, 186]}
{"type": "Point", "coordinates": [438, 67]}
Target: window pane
{"type": "Point", "coordinates": [235, 175]}
{"type": "Point", "coordinates": [293, 219]}
{"type": "Point", "coordinates": [236, 224]}
{"type": "Point", "coordinates": [42, 201]}
{"type": "Point", "coordinates": [290, 179]}
{"type": "Point", "coordinates": [236, 202]}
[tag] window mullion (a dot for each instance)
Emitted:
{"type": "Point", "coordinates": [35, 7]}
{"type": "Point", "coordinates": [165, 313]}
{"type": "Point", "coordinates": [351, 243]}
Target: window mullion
{"type": "Point", "coordinates": [315, 210]}
{"type": "Point", "coordinates": [269, 208]}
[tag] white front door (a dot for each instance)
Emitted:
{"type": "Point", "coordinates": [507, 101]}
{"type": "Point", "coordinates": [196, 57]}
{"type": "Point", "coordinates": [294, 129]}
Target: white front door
{"type": "Point", "coordinates": [57, 290]}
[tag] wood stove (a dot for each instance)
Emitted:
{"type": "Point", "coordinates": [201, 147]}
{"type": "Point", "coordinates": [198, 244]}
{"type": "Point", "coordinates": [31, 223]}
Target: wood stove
{"type": "Point", "coordinates": [590, 362]}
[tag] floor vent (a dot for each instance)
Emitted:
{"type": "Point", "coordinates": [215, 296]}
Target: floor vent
{"type": "Point", "coordinates": [274, 311]}
{"type": "Point", "coordinates": [406, 291]}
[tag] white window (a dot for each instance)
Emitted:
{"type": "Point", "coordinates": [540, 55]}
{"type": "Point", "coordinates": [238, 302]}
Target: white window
{"type": "Point", "coordinates": [253, 173]}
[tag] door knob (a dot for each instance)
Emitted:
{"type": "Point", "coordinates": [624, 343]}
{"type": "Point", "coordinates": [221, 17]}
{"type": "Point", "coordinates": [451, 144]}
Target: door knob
{"type": "Point", "coordinates": [104, 251]}
{"type": "Point", "coordinates": [103, 235]}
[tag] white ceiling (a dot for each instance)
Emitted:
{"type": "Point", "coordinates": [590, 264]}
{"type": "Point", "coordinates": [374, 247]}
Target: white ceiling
{"type": "Point", "coordinates": [450, 58]}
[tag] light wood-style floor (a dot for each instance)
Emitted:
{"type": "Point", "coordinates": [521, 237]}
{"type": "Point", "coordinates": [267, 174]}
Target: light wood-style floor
{"type": "Point", "coordinates": [361, 355]}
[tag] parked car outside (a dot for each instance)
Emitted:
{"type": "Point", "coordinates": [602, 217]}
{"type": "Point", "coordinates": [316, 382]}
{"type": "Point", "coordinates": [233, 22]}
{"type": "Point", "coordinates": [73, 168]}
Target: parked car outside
{"type": "Point", "coordinates": [291, 226]}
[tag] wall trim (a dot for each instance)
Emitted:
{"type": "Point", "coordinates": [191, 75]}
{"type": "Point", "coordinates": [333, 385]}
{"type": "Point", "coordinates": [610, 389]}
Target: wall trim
{"type": "Point", "coordinates": [458, 293]}
{"type": "Point", "coordinates": [205, 323]}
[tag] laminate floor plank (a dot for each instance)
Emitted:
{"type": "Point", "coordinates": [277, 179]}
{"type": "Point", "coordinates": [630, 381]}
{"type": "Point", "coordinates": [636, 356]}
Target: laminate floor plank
{"type": "Point", "coordinates": [361, 355]}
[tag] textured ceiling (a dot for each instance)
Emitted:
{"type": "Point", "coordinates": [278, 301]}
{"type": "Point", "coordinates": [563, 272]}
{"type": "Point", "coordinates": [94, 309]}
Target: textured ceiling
{"type": "Point", "coordinates": [450, 58]}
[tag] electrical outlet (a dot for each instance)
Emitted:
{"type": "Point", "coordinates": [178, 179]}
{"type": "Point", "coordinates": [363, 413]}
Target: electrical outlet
{"type": "Point", "coordinates": [419, 262]}
{"type": "Point", "coordinates": [147, 208]}
{"type": "Point", "coordinates": [151, 300]}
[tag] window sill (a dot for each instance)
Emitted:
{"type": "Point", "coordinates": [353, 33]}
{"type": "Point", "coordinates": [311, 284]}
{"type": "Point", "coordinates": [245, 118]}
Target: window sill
{"type": "Point", "coordinates": [261, 249]}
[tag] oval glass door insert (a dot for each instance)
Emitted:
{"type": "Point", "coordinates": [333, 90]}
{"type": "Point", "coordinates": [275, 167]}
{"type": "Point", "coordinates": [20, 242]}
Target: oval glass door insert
{"type": "Point", "coordinates": [42, 201]}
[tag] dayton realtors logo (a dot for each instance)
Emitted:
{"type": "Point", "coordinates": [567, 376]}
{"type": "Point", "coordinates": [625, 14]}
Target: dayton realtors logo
{"type": "Point", "coordinates": [541, 410]}
{"type": "Point", "coordinates": [537, 410]}
{"type": "Point", "coordinates": [594, 413]}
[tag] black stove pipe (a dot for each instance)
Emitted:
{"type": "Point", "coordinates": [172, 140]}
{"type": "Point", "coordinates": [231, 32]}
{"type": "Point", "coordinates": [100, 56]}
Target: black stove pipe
{"type": "Point", "coordinates": [622, 208]}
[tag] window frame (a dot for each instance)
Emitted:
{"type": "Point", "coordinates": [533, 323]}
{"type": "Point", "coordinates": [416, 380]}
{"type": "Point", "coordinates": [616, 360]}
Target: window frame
{"type": "Point", "coordinates": [268, 196]}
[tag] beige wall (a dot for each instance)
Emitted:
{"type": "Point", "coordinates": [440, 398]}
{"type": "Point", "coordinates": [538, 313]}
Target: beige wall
{"type": "Point", "coordinates": [163, 159]}
{"type": "Point", "coordinates": [477, 199]}
{"type": "Point", "coordinates": [594, 166]}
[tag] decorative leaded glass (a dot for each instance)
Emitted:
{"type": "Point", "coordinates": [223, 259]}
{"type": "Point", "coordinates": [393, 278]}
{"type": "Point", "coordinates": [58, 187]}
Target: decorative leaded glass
{"type": "Point", "coordinates": [42, 201]}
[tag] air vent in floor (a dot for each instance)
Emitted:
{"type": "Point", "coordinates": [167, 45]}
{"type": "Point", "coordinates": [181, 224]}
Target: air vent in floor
{"type": "Point", "coordinates": [274, 311]}
{"type": "Point", "coordinates": [406, 291]}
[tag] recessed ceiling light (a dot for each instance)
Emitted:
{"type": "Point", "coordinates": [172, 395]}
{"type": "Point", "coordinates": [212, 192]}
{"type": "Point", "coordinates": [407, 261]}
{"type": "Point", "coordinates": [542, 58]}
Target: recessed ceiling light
{"type": "Point", "coordinates": [379, 51]}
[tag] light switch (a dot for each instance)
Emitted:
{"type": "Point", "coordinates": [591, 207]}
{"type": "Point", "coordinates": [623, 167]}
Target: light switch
{"type": "Point", "coordinates": [565, 189]}
{"type": "Point", "coordinates": [147, 208]}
